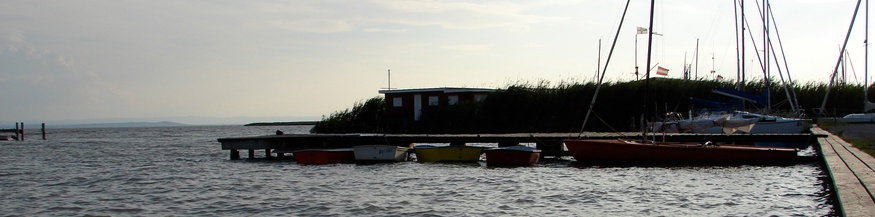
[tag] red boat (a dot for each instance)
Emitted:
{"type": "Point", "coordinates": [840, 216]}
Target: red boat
{"type": "Point", "coordinates": [512, 156]}
{"type": "Point", "coordinates": [324, 156]}
{"type": "Point", "coordinates": [636, 153]}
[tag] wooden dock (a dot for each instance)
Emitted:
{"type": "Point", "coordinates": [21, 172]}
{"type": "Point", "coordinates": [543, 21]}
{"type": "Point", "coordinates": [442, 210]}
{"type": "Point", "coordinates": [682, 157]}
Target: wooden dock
{"type": "Point", "coordinates": [549, 143]}
{"type": "Point", "coordinates": [852, 174]}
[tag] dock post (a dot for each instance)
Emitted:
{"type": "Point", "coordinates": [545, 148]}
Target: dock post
{"type": "Point", "coordinates": [44, 131]}
{"type": "Point", "coordinates": [267, 153]}
{"type": "Point", "coordinates": [22, 131]}
{"type": "Point", "coordinates": [251, 153]}
{"type": "Point", "coordinates": [235, 154]}
{"type": "Point", "coordinates": [17, 132]}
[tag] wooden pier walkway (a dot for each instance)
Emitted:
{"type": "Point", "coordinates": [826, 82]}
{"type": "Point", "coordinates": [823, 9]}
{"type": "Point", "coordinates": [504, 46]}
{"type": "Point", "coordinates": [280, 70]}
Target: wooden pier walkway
{"type": "Point", "coordinates": [852, 174]}
{"type": "Point", "coordinates": [549, 143]}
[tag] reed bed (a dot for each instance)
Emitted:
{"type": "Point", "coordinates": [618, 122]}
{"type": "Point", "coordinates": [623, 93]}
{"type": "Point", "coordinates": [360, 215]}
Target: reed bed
{"type": "Point", "coordinates": [526, 107]}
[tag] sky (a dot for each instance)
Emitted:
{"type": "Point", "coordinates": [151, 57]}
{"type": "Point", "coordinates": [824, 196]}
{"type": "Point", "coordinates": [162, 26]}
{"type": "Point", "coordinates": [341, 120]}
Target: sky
{"type": "Point", "coordinates": [205, 62]}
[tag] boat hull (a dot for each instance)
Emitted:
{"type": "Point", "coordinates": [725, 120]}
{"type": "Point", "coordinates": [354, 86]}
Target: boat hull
{"type": "Point", "coordinates": [764, 127]}
{"type": "Point", "coordinates": [380, 153]}
{"type": "Point", "coordinates": [512, 157]}
{"type": "Point", "coordinates": [324, 156]}
{"type": "Point", "coordinates": [635, 153]}
{"type": "Point", "coordinates": [448, 153]}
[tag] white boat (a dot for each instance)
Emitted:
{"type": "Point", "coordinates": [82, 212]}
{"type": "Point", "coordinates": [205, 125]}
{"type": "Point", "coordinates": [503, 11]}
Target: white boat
{"type": "Point", "coordinates": [729, 123]}
{"type": "Point", "coordinates": [764, 124]}
{"type": "Point", "coordinates": [380, 153]}
{"type": "Point", "coordinates": [857, 118]}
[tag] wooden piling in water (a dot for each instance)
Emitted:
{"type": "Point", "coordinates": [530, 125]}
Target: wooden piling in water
{"type": "Point", "coordinates": [17, 137]}
{"type": "Point", "coordinates": [251, 153]}
{"type": "Point", "coordinates": [44, 131]}
{"type": "Point", "coordinates": [22, 131]}
{"type": "Point", "coordinates": [235, 154]}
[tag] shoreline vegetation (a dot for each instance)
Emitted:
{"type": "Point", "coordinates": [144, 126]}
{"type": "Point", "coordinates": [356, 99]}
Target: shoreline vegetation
{"type": "Point", "coordinates": [289, 123]}
{"type": "Point", "coordinates": [543, 107]}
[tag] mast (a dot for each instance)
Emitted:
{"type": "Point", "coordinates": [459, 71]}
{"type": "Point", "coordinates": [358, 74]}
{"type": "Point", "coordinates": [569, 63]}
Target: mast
{"type": "Point", "coordinates": [737, 53]}
{"type": "Point", "coordinates": [836, 69]}
{"type": "Point", "coordinates": [602, 77]}
{"type": "Point", "coordinates": [866, 104]}
{"type": "Point", "coordinates": [767, 88]}
{"type": "Point", "coordinates": [696, 76]}
{"type": "Point", "coordinates": [742, 44]}
{"type": "Point", "coordinates": [647, 72]}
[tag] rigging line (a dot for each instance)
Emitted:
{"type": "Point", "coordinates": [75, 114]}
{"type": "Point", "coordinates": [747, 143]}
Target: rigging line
{"type": "Point", "coordinates": [759, 59]}
{"type": "Point", "coordinates": [836, 69]}
{"type": "Point", "coordinates": [851, 64]}
{"type": "Point", "coordinates": [604, 71]}
{"type": "Point", "coordinates": [794, 101]}
{"type": "Point", "coordinates": [609, 126]}
{"type": "Point", "coordinates": [781, 75]}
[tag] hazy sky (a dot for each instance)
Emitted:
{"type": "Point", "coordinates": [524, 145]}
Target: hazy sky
{"type": "Point", "coordinates": [300, 60]}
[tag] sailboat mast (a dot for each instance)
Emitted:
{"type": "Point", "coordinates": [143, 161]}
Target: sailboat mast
{"type": "Point", "coordinates": [602, 76]}
{"type": "Point", "coordinates": [696, 75]}
{"type": "Point", "coordinates": [737, 53]}
{"type": "Point", "coordinates": [836, 69]}
{"type": "Point", "coordinates": [767, 88]}
{"type": "Point", "coordinates": [647, 72]}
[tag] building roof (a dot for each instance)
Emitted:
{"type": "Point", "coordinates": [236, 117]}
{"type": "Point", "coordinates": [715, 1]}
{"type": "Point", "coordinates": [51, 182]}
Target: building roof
{"type": "Point", "coordinates": [439, 89]}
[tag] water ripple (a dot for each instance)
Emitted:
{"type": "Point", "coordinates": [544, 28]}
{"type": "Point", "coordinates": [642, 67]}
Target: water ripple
{"type": "Point", "coordinates": [182, 172]}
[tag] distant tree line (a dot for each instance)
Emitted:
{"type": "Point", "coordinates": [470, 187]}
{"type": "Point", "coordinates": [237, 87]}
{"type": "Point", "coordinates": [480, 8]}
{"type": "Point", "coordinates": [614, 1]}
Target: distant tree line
{"type": "Point", "coordinates": [543, 107]}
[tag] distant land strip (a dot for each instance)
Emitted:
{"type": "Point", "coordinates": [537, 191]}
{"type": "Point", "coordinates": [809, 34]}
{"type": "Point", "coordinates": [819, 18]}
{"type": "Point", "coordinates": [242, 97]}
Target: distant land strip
{"type": "Point", "coordinates": [282, 123]}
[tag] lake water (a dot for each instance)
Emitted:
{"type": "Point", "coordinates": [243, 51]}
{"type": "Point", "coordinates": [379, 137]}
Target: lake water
{"type": "Point", "coordinates": [182, 171]}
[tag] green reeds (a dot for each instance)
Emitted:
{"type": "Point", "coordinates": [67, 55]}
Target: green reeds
{"type": "Point", "coordinates": [542, 107]}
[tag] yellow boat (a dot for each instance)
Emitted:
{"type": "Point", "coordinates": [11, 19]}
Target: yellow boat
{"type": "Point", "coordinates": [453, 153]}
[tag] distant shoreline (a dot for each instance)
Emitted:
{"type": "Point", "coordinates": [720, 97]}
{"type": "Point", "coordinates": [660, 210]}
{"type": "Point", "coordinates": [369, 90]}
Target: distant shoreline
{"type": "Point", "coordinates": [292, 123]}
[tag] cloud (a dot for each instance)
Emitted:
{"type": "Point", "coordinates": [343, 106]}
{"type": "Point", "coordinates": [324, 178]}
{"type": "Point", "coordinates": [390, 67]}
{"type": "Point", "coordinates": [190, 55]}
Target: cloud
{"type": "Point", "coordinates": [313, 26]}
{"type": "Point", "coordinates": [463, 15]}
{"type": "Point", "coordinates": [468, 47]}
{"type": "Point", "coordinates": [44, 83]}
{"type": "Point", "coordinates": [384, 30]}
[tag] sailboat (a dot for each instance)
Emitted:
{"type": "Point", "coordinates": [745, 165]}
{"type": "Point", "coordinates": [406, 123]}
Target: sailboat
{"type": "Point", "coordinates": [730, 117]}
{"type": "Point", "coordinates": [627, 151]}
{"type": "Point", "coordinates": [864, 117]}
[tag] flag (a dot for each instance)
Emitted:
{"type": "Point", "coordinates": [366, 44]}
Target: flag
{"type": "Point", "coordinates": [661, 71]}
{"type": "Point", "coordinates": [642, 30]}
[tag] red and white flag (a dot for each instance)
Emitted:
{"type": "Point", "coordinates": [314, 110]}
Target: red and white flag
{"type": "Point", "coordinates": [661, 71]}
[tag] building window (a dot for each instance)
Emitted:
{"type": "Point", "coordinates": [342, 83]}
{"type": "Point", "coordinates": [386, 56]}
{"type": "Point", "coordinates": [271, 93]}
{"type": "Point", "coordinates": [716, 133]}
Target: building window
{"type": "Point", "coordinates": [396, 101]}
{"type": "Point", "coordinates": [433, 101]}
{"type": "Point", "coordinates": [453, 99]}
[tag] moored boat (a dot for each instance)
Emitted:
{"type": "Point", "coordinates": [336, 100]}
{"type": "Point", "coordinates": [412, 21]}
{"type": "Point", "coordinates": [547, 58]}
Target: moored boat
{"type": "Point", "coordinates": [628, 152]}
{"type": "Point", "coordinates": [517, 155]}
{"type": "Point", "coordinates": [324, 156]}
{"type": "Point", "coordinates": [453, 153]}
{"type": "Point", "coordinates": [380, 153]}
